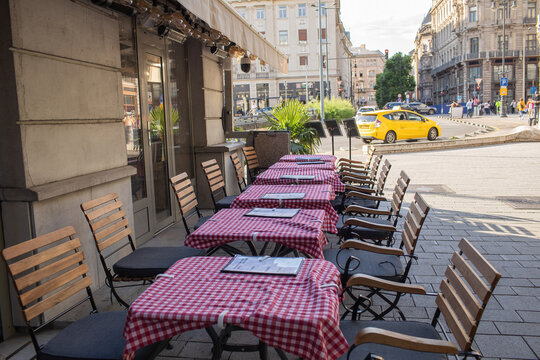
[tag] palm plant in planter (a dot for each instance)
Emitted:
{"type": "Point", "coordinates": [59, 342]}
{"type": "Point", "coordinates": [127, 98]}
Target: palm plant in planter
{"type": "Point", "coordinates": [292, 115]}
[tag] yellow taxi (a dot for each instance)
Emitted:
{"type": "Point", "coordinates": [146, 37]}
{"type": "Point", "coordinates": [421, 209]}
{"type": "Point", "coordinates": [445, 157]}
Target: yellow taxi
{"type": "Point", "coordinates": [392, 125]}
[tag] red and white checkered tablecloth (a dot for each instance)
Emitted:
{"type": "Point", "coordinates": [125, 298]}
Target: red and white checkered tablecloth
{"type": "Point", "coordinates": [298, 314]}
{"type": "Point", "coordinates": [316, 197]}
{"type": "Point", "coordinates": [273, 177]}
{"type": "Point", "coordinates": [293, 165]}
{"type": "Point", "coordinates": [302, 232]}
{"type": "Point", "coordinates": [326, 158]}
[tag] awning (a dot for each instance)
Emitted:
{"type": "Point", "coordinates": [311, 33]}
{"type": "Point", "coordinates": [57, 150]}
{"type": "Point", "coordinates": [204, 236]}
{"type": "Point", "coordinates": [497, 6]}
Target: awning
{"type": "Point", "coordinates": [221, 16]}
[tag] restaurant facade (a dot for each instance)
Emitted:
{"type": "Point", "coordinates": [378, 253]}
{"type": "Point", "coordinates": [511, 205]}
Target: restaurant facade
{"type": "Point", "coordinates": [112, 96]}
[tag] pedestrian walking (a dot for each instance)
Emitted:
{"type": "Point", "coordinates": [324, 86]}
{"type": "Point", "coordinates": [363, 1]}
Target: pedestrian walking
{"type": "Point", "coordinates": [487, 106]}
{"type": "Point", "coordinates": [530, 109]}
{"type": "Point", "coordinates": [513, 106]}
{"type": "Point", "coordinates": [498, 107]}
{"type": "Point", "coordinates": [469, 106]}
{"type": "Point", "coordinates": [521, 108]}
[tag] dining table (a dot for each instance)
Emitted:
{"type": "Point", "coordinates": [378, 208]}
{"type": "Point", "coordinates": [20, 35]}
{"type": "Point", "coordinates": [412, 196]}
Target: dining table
{"type": "Point", "coordinates": [297, 314]}
{"type": "Point", "coordinates": [300, 176]}
{"type": "Point", "coordinates": [316, 197]}
{"type": "Point", "coordinates": [302, 232]}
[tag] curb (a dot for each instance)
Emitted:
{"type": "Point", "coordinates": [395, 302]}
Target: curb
{"type": "Point", "coordinates": [488, 128]}
{"type": "Point", "coordinates": [523, 135]}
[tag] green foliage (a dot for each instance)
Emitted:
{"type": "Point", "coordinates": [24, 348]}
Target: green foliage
{"type": "Point", "coordinates": [395, 79]}
{"type": "Point", "coordinates": [157, 119]}
{"type": "Point", "coordinates": [334, 108]}
{"type": "Point", "coordinates": [292, 115]}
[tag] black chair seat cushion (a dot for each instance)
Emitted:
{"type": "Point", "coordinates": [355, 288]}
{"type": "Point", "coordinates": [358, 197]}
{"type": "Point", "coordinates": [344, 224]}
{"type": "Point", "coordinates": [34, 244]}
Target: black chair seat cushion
{"type": "Point", "coordinates": [150, 261]}
{"type": "Point", "coordinates": [97, 336]}
{"type": "Point", "coordinates": [337, 203]}
{"type": "Point", "coordinates": [201, 221]}
{"type": "Point", "coordinates": [380, 265]}
{"type": "Point", "coordinates": [372, 204]}
{"type": "Point", "coordinates": [363, 232]}
{"type": "Point", "coordinates": [225, 202]}
{"type": "Point", "coordinates": [414, 328]}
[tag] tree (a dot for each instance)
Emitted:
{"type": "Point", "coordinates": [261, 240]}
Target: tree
{"type": "Point", "coordinates": [395, 79]}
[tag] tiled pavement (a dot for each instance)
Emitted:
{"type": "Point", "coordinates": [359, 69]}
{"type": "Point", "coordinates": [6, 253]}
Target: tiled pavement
{"type": "Point", "coordinates": [467, 206]}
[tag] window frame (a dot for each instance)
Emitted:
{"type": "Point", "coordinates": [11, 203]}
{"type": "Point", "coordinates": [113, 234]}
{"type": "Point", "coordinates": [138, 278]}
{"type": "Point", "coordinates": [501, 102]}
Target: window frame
{"type": "Point", "coordinates": [302, 32]}
{"type": "Point", "coordinates": [282, 10]}
{"type": "Point", "coordinates": [302, 10]}
{"type": "Point", "coordinates": [305, 58]}
{"type": "Point", "coordinates": [473, 14]}
{"type": "Point", "coordinates": [260, 13]}
{"type": "Point", "coordinates": [286, 33]}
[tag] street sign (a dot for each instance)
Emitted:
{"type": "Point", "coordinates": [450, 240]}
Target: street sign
{"type": "Point", "coordinates": [478, 81]}
{"type": "Point", "coordinates": [533, 90]}
{"type": "Point", "coordinates": [503, 91]}
{"type": "Point", "coordinates": [504, 82]}
{"type": "Point", "coordinates": [459, 98]}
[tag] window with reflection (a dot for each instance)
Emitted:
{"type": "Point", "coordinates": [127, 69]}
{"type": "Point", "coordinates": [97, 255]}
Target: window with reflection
{"type": "Point", "coordinates": [132, 118]}
{"type": "Point", "coordinates": [181, 124]}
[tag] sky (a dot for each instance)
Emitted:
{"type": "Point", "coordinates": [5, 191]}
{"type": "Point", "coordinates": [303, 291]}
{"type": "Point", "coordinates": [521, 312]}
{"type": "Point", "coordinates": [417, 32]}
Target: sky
{"type": "Point", "coordinates": [384, 24]}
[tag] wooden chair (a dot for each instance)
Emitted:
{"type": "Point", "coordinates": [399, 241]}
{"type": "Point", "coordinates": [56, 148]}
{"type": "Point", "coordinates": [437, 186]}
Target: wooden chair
{"type": "Point", "coordinates": [355, 165]}
{"type": "Point", "coordinates": [462, 298]}
{"type": "Point", "coordinates": [217, 185]}
{"type": "Point", "coordinates": [345, 199]}
{"type": "Point", "coordinates": [240, 174]}
{"type": "Point", "coordinates": [111, 232]}
{"type": "Point", "coordinates": [358, 257]}
{"type": "Point", "coordinates": [187, 201]}
{"type": "Point", "coordinates": [252, 162]}
{"type": "Point", "coordinates": [49, 275]}
{"type": "Point", "coordinates": [362, 178]}
{"type": "Point", "coordinates": [374, 224]}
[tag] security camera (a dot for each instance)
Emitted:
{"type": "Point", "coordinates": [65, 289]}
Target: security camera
{"type": "Point", "coordinates": [245, 64]}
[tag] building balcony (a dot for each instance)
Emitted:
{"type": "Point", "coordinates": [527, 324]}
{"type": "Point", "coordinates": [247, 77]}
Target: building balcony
{"type": "Point", "coordinates": [243, 76]}
{"type": "Point", "coordinates": [476, 55]}
{"type": "Point", "coordinates": [262, 75]}
{"type": "Point", "coordinates": [507, 53]}
{"type": "Point", "coordinates": [446, 65]}
{"type": "Point", "coordinates": [528, 20]}
{"type": "Point", "coordinates": [531, 52]}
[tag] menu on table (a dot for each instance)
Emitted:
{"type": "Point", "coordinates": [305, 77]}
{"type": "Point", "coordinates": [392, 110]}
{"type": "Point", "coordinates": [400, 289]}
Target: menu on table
{"type": "Point", "coordinates": [272, 213]}
{"type": "Point", "coordinates": [283, 196]}
{"type": "Point", "coordinates": [298, 177]}
{"type": "Point", "coordinates": [309, 162]}
{"type": "Point", "coordinates": [308, 158]}
{"type": "Point", "coordinates": [264, 265]}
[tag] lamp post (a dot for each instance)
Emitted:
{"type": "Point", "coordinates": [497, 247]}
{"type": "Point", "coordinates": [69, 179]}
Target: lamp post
{"type": "Point", "coordinates": [504, 4]}
{"type": "Point", "coordinates": [321, 85]}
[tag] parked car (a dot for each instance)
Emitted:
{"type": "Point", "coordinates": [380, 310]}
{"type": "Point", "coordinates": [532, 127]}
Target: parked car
{"type": "Point", "coordinates": [402, 105]}
{"type": "Point", "coordinates": [266, 110]}
{"type": "Point", "coordinates": [423, 108]}
{"type": "Point", "coordinates": [364, 109]}
{"type": "Point", "coordinates": [392, 125]}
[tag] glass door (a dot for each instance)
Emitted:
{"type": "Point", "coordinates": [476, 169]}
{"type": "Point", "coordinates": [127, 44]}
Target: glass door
{"type": "Point", "coordinates": [158, 118]}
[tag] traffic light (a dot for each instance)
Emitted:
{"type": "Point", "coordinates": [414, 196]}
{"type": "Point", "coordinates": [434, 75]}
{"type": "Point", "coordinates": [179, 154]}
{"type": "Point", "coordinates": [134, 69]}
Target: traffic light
{"type": "Point", "coordinates": [386, 54]}
{"type": "Point", "coordinates": [478, 88]}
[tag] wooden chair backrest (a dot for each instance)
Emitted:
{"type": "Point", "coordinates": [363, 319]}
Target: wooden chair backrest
{"type": "Point", "coordinates": [344, 163]}
{"type": "Point", "coordinates": [465, 292]}
{"type": "Point", "coordinates": [108, 222]}
{"type": "Point", "coordinates": [414, 220]}
{"type": "Point", "coordinates": [239, 168]}
{"type": "Point", "coordinates": [47, 270]}
{"type": "Point", "coordinates": [375, 163]}
{"type": "Point", "coordinates": [251, 157]}
{"type": "Point", "coordinates": [382, 177]}
{"type": "Point", "coordinates": [215, 179]}
{"type": "Point", "coordinates": [185, 194]}
{"type": "Point", "coordinates": [399, 192]}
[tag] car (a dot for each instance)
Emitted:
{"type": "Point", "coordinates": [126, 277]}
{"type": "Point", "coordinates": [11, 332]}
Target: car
{"type": "Point", "coordinates": [402, 105]}
{"type": "Point", "coordinates": [423, 108]}
{"type": "Point", "coordinates": [366, 109]}
{"type": "Point", "coordinates": [392, 125]}
{"type": "Point", "coordinates": [266, 110]}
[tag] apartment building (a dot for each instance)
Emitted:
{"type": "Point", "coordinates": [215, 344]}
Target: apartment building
{"type": "Point", "coordinates": [293, 27]}
{"type": "Point", "coordinates": [422, 57]}
{"type": "Point", "coordinates": [366, 65]}
{"type": "Point", "coordinates": [468, 48]}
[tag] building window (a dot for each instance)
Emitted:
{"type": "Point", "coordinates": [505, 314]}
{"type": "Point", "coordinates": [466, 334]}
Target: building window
{"type": "Point", "coordinates": [302, 35]}
{"type": "Point", "coordinates": [500, 43]}
{"type": "Point", "coordinates": [475, 72]}
{"type": "Point", "coordinates": [371, 73]}
{"type": "Point", "coordinates": [301, 10]}
{"type": "Point", "coordinates": [531, 42]}
{"type": "Point", "coordinates": [323, 34]}
{"type": "Point", "coordinates": [532, 71]}
{"type": "Point", "coordinates": [474, 45]}
{"type": "Point", "coordinates": [472, 14]}
{"type": "Point", "coordinates": [242, 12]}
{"type": "Point", "coordinates": [283, 37]}
{"type": "Point", "coordinates": [371, 85]}
{"type": "Point", "coordinates": [282, 12]}
{"type": "Point", "coordinates": [531, 10]}
{"type": "Point", "coordinates": [260, 13]}
{"type": "Point", "coordinates": [303, 60]}
{"type": "Point", "coordinates": [498, 72]}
